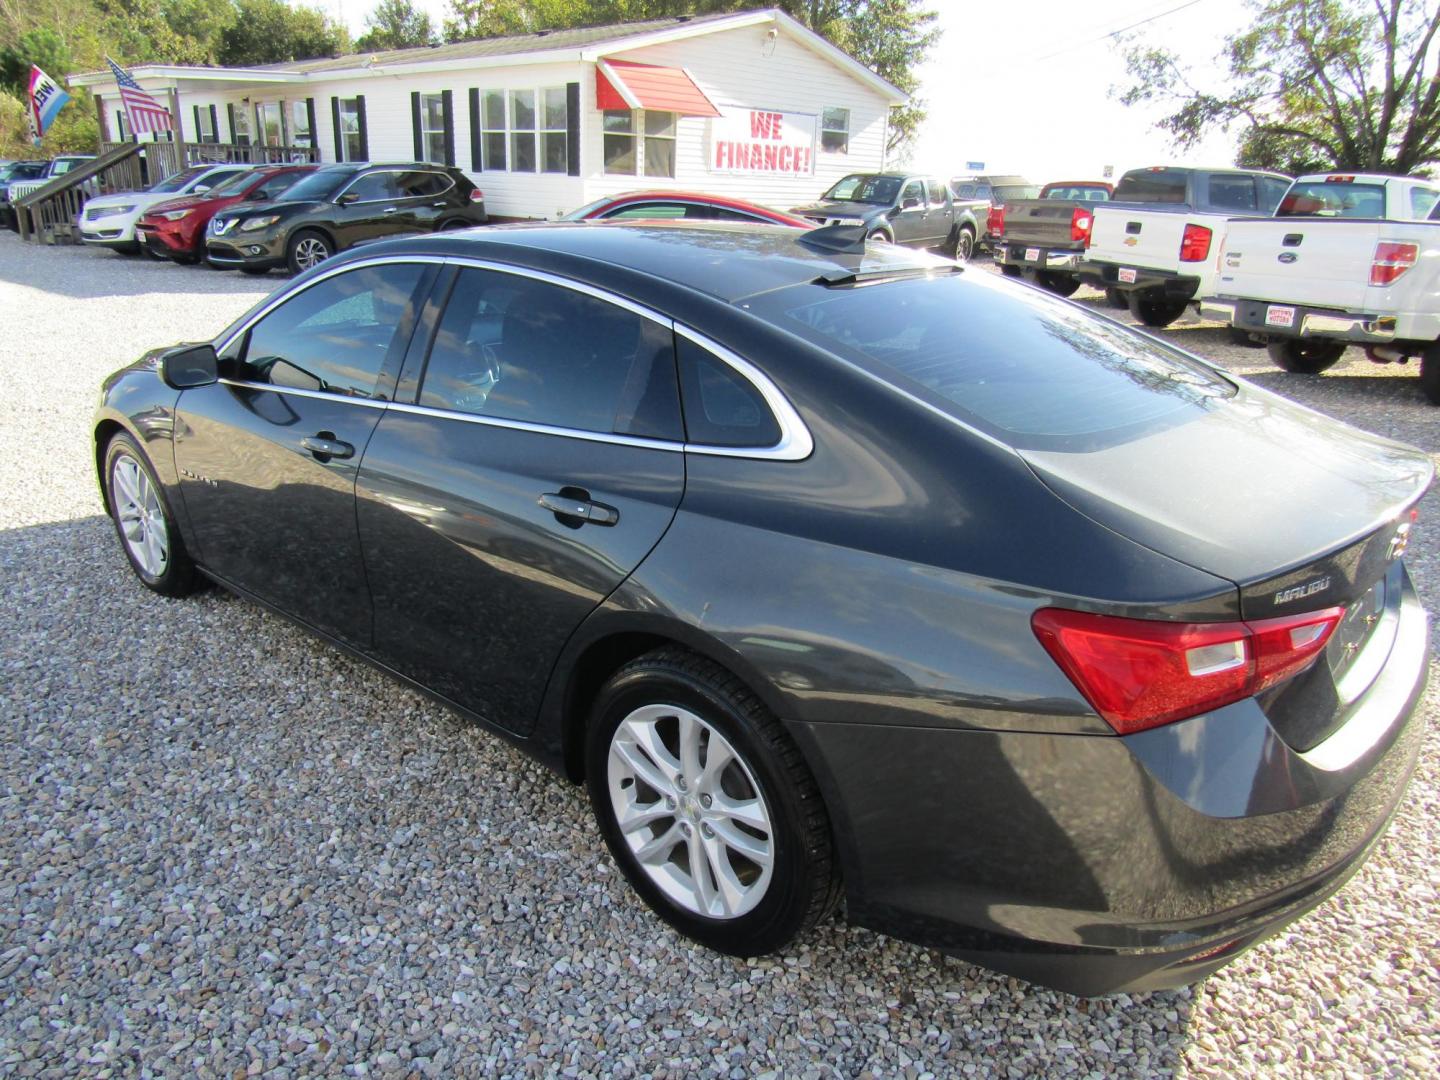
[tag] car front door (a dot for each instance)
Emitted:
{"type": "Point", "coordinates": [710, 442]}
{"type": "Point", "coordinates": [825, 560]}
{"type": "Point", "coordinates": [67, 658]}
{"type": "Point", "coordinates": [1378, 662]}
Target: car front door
{"type": "Point", "coordinates": [908, 221]}
{"type": "Point", "coordinates": [373, 206]}
{"type": "Point", "coordinates": [940, 218]}
{"type": "Point", "coordinates": [268, 456]}
{"type": "Point", "coordinates": [528, 474]}
{"type": "Point", "coordinates": [428, 194]}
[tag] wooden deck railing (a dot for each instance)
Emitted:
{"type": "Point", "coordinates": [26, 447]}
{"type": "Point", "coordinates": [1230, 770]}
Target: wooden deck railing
{"type": "Point", "coordinates": [165, 158]}
{"type": "Point", "coordinates": [49, 213]}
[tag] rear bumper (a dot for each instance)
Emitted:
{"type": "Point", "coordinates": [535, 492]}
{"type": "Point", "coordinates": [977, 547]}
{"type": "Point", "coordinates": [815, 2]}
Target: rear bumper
{"type": "Point", "coordinates": [1361, 327]}
{"type": "Point", "coordinates": [1097, 864]}
{"type": "Point", "coordinates": [1107, 275]}
{"type": "Point", "coordinates": [1063, 260]}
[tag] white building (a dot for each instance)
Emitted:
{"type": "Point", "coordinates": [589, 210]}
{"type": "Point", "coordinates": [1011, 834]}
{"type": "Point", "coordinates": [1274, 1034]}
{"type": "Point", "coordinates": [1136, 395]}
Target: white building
{"type": "Point", "coordinates": [751, 105]}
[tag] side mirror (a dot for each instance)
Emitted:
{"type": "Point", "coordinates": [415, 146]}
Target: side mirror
{"type": "Point", "coordinates": [910, 203]}
{"type": "Point", "coordinates": [187, 366]}
{"type": "Point", "coordinates": [348, 198]}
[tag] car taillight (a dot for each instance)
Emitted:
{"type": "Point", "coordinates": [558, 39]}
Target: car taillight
{"type": "Point", "coordinates": [476, 195]}
{"type": "Point", "coordinates": [1391, 261]}
{"type": "Point", "coordinates": [1142, 673]}
{"type": "Point", "coordinates": [1195, 244]}
{"type": "Point", "coordinates": [1080, 223]}
{"type": "Point", "coordinates": [995, 221]}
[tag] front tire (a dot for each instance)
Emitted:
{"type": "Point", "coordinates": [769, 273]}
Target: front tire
{"type": "Point", "coordinates": [707, 806]}
{"type": "Point", "coordinates": [308, 248]}
{"type": "Point", "coordinates": [961, 246]}
{"type": "Point", "coordinates": [1011, 271]}
{"type": "Point", "coordinates": [1156, 313]}
{"type": "Point", "coordinates": [143, 521]}
{"type": "Point", "coordinates": [1305, 356]}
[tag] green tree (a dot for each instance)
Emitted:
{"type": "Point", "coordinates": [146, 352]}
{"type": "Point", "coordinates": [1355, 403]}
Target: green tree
{"type": "Point", "coordinates": [396, 24]}
{"type": "Point", "coordinates": [1348, 84]}
{"type": "Point", "coordinates": [270, 31]}
{"type": "Point", "coordinates": [41, 46]}
{"type": "Point", "coordinates": [890, 37]}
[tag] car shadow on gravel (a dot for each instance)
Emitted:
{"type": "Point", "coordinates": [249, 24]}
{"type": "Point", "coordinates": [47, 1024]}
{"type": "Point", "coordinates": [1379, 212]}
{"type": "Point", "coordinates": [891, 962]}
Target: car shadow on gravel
{"type": "Point", "coordinates": [202, 804]}
{"type": "Point", "coordinates": [76, 272]}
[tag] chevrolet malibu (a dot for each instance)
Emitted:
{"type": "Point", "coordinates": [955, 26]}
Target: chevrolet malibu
{"type": "Point", "coordinates": [832, 571]}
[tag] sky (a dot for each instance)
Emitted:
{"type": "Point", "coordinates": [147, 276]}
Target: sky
{"type": "Point", "coordinates": [1025, 87]}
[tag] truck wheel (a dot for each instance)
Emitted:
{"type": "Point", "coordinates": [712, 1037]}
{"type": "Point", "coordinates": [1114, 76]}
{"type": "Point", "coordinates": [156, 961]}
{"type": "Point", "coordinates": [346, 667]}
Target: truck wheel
{"type": "Point", "coordinates": [1157, 313]}
{"type": "Point", "coordinates": [1116, 299]}
{"type": "Point", "coordinates": [961, 246]}
{"type": "Point", "coordinates": [1306, 356]}
{"type": "Point", "coordinates": [1010, 271]}
{"type": "Point", "coordinates": [879, 236]}
{"type": "Point", "coordinates": [1060, 284]}
{"type": "Point", "coordinates": [1430, 373]}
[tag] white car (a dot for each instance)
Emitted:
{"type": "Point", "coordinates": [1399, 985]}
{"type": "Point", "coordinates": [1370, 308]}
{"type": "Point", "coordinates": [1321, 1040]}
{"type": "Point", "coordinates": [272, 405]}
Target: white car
{"type": "Point", "coordinates": [1349, 258]}
{"type": "Point", "coordinates": [109, 220]}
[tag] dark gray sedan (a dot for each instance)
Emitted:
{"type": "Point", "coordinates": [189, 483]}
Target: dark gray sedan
{"type": "Point", "coordinates": [833, 571]}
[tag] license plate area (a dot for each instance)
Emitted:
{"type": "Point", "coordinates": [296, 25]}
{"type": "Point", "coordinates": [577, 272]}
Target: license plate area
{"type": "Point", "coordinates": [1126, 275]}
{"type": "Point", "coordinates": [1279, 315]}
{"type": "Point", "coordinates": [1032, 254]}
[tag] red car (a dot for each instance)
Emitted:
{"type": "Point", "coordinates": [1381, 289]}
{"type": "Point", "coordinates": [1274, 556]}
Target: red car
{"type": "Point", "coordinates": [176, 229]}
{"type": "Point", "coordinates": [692, 206]}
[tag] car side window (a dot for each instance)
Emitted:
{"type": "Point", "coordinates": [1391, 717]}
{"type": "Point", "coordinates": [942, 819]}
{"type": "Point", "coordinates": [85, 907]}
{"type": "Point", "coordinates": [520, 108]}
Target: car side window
{"type": "Point", "coordinates": [937, 193]}
{"type": "Point", "coordinates": [515, 348]}
{"type": "Point", "coordinates": [335, 336]}
{"type": "Point", "coordinates": [1272, 190]}
{"type": "Point", "coordinates": [1422, 201]}
{"type": "Point", "coordinates": [915, 189]}
{"type": "Point", "coordinates": [422, 184]}
{"type": "Point", "coordinates": [651, 212]}
{"type": "Point", "coordinates": [1232, 192]}
{"type": "Point", "coordinates": [375, 186]}
{"type": "Point", "coordinates": [722, 407]}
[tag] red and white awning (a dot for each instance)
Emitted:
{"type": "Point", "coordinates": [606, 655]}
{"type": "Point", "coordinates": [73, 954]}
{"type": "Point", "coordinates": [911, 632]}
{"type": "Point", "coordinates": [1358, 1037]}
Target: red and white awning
{"type": "Point", "coordinates": [624, 84]}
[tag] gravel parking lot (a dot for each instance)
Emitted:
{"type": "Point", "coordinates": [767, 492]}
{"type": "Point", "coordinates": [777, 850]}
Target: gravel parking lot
{"type": "Point", "coordinates": [226, 849]}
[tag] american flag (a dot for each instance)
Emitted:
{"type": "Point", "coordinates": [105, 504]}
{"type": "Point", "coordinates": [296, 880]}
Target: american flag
{"type": "Point", "coordinates": [146, 114]}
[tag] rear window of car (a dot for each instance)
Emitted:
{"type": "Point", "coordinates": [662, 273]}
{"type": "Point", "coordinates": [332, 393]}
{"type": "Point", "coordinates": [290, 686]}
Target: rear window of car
{"type": "Point", "coordinates": [1006, 192]}
{"type": "Point", "coordinates": [1152, 186]}
{"type": "Point", "coordinates": [1027, 369]}
{"type": "Point", "coordinates": [1320, 198]}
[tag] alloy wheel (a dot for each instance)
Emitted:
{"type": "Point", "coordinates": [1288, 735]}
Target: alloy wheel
{"type": "Point", "coordinates": [689, 809]}
{"type": "Point", "coordinates": [141, 516]}
{"type": "Point", "coordinates": [310, 252]}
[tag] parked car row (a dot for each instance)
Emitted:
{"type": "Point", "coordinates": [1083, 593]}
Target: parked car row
{"type": "Point", "coordinates": [21, 178]}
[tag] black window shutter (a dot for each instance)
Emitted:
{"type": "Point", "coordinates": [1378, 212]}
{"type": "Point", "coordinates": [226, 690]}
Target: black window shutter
{"type": "Point", "coordinates": [339, 135]}
{"type": "Point", "coordinates": [364, 128]}
{"type": "Point", "coordinates": [314, 132]}
{"type": "Point", "coordinates": [475, 130]}
{"type": "Point", "coordinates": [199, 134]}
{"type": "Point", "coordinates": [415, 124]}
{"type": "Point", "coordinates": [572, 127]}
{"type": "Point", "coordinates": [448, 103]}
{"type": "Point", "coordinates": [214, 124]}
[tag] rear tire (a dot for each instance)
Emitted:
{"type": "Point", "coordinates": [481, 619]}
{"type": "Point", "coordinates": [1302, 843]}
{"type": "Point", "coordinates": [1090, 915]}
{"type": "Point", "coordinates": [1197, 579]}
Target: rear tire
{"type": "Point", "coordinates": [1156, 313]}
{"type": "Point", "coordinates": [962, 247]}
{"type": "Point", "coordinates": [1116, 299]}
{"type": "Point", "coordinates": [683, 848]}
{"type": "Point", "coordinates": [1059, 284]}
{"type": "Point", "coordinates": [1305, 356]}
{"type": "Point", "coordinates": [144, 522]}
{"type": "Point", "coordinates": [1430, 373]}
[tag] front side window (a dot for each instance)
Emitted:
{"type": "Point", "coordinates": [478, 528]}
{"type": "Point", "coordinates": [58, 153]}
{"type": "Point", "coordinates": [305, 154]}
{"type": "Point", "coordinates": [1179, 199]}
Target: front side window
{"type": "Point", "coordinates": [514, 348]}
{"type": "Point", "coordinates": [522, 130]}
{"type": "Point", "coordinates": [640, 138]}
{"type": "Point", "coordinates": [914, 193]}
{"type": "Point", "coordinates": [350, 129]}
{"type": "Point", "coordinates": [937, 193]}
{"type": "Point", "coordinates": [858, 187]}
{"type": "Point", "coordinates": [334, 337]}
{"type": "Point", "coordinates": [300, 133]}
{"type": "Point", "coordinates": [432, 127]}
{"type": "Point", "coordinates": [835, 131]}
{"type": "Point", "coordinates": [375, 187]}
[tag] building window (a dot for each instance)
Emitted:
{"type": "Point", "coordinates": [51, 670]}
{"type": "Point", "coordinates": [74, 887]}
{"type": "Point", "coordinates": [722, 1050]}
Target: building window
{"type": "Point", "coordinates": [432, 127]}
{"type": "Point", "coordinates": [492, 128]}
{"type": "Point", "coordinates": [554, 157]}
{"type": "Point", "coordinates": [300, 133]}
{"type": "Point", "coordinates": [269, 124]}
{"type": "Point", "coordinates": [239, 125]}
{"type": "Point", "coordinates": [350, 144]}
{"type": "Point", "coordinates": [633, 137]}
{"type": "Point", "coordinates": [204, 125]}
{"type": "Point", "coordinates": [522, 130]}
{"type": "Point", "coordinates": [835, 131]}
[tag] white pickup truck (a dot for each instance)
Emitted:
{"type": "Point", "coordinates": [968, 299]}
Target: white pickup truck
{"type": "Point", "coordinates": [1154, 245]}
{"type": "Point", "coordinates": [1349, 258]}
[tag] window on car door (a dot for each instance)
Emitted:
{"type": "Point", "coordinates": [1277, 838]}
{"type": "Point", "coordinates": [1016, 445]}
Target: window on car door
{"type": "Point", "coordinates": [1233, 192]}
{"type": "Point", "coordinates": [336, 336]}
{"type": "Point", "coordinates": [513, 348]}
{"type": "Point", "coordinates": [373, 187]}
{"type": "Point", "coordinates": [652, 211]}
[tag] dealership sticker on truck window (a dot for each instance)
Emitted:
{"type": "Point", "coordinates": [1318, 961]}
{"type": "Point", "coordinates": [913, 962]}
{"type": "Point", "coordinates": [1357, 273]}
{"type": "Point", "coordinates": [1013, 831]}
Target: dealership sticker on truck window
{"type": "Point", "coordinates": [1127, 275]}
{"type": "Point", "coordinates": [1279, 315]}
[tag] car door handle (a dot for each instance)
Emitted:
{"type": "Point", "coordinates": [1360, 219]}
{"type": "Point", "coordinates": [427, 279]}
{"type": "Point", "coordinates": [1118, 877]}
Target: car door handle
{"type": "Point", "coordinates": [439, 205]}
{"type": "Point", "coordinates": [567, 506]}
{"type": "Point", "coordinates": [325, 446]}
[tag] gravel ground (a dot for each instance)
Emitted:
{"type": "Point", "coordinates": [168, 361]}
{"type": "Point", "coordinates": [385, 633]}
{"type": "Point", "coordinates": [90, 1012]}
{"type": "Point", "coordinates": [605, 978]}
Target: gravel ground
{"type": "Point", "coordinates": [227, 850]}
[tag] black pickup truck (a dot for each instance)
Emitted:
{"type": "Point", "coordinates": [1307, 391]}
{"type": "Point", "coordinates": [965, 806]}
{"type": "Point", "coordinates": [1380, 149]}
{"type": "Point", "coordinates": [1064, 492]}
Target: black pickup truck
{"type": "Point", "coordinates": [1043, 240]}
{"type": "Point", "coordinates": [898, 208]}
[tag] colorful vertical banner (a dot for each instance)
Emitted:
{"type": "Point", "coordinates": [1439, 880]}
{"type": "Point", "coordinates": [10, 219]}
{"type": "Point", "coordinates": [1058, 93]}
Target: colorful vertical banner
{"type": "Point", "coordinates": [46, 101]}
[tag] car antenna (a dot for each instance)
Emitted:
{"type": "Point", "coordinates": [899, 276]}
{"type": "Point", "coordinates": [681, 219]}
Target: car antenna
{"type": "Point", "coordinates": [841, 239]}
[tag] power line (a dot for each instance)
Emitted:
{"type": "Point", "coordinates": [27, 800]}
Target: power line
{"type": "Point", "coordinates": [1117, 33]}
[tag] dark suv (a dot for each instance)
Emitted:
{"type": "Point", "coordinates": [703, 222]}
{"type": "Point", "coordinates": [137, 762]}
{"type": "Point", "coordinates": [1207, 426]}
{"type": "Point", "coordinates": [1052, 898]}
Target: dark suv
{"type": "Point", "coordinates": [338, 207]}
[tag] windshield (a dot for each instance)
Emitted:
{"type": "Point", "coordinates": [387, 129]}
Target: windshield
{"type": "Point", "coordinates": [879, 190]}
{"type": "Point", "coordinates": [232, 184]}
{"type": "Point", "coordinates": [1028, 369]}
{"type": "Point", "coordinates": [319, 185]}
{"type": "Point", "coordinates": [1006, 192]}
{"type": "Point", "coordinates": [26, 170]}
{"type": "Point", "coordinates": [179, 180]}
{"type": "Point", "coordinates": [1320, 198]}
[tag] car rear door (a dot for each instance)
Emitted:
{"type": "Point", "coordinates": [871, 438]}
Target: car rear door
{"type": "Point", "coordinates": [516, 483]}
{"type": "Point", "coordinates": [427, 195]}
{"type": "Point", "coordinates": [267, 456]}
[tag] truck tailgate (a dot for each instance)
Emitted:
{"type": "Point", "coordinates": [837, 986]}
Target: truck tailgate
{"type": "Point", "coordinates": [1139, 236]}
{"type": "Point", "coordinates": [1324, 262]}
{"type": "Point", "coordinates": [1045, 223]}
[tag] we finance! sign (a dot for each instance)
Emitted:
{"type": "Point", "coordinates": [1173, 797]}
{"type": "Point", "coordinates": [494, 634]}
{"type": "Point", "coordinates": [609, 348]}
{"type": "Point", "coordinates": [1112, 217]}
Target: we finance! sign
{"type": "Point", "coordinates": [746, 140]}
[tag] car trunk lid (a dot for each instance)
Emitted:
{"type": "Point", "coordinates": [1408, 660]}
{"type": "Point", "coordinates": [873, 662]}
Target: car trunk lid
{"type": "Point", "coordinates": [1324, 261]}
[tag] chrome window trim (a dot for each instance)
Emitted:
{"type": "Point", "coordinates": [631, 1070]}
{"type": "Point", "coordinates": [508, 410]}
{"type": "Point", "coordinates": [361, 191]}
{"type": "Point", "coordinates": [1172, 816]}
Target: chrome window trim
{"type": "Point", "coordinates": [429, 167]}
{"type": "Point", "coordinates": [612, 213]}
{"type": "Point", "coordinates": [795, 443]}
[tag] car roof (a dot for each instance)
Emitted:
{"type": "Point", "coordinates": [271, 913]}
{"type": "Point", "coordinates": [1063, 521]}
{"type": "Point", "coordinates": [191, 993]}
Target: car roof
{"type": "Point", "coordinates": [727, 260]}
